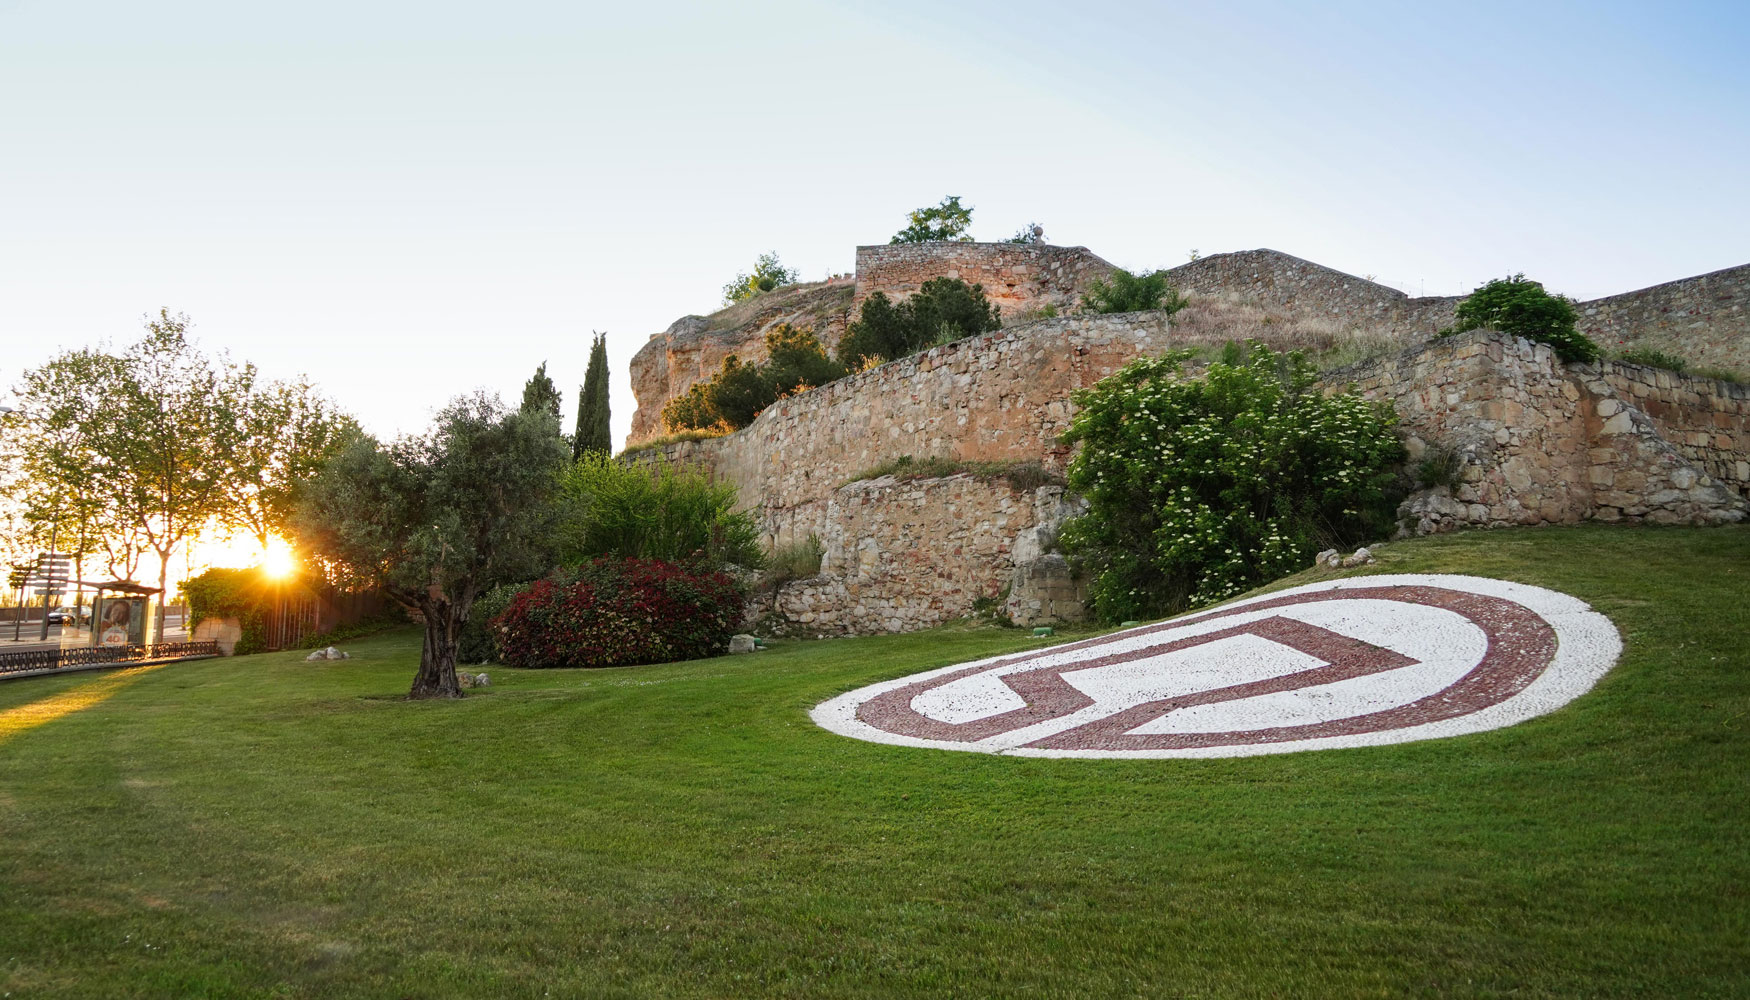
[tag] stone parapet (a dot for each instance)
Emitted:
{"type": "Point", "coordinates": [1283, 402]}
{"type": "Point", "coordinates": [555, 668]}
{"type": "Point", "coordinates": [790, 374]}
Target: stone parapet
{"type": "Point", "coordinates": [1018, 278]}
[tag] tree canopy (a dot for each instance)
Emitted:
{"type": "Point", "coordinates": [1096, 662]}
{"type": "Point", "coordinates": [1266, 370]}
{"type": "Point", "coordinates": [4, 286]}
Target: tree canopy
{"type": "Point", "coordinates": [435, 520]}
{"type": "Point", "coordinates": [948, 220]}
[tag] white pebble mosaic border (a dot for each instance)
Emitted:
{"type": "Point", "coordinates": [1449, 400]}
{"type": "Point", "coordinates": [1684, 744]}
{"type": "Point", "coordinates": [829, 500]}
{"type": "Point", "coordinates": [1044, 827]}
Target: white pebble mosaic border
{"type": "Point", "coordinates": [1364, 661]}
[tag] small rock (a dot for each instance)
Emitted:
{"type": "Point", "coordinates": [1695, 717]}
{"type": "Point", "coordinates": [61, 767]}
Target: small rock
{"type": "Point", "coordinates": [481, 680]}
{"type": "Point", "coordinates": [320, 654]}
{"type": "Point", "coordinates": [335, 654]}
{"type": "Point", "coordinates": [1362, 557]}
{"type": "Point", "coordinates": [741, 644]}
{"type": "Point", "coordinates": [1328, 558]}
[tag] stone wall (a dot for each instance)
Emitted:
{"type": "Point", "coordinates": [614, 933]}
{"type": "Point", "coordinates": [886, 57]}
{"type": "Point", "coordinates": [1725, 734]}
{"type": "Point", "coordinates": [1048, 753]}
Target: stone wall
{"type": "Point", "coordinates": [1540, 442]}
{"type": "Point", "coordinates": [1003, 396]}
{"type": "Point", "coordinates": [1706, 420]}
{"type": "Point", "coordinates": [1303, 290]}
{"type": "Point", "coordinates": [1017, 277]}
{"type": "Point", "coordinates": [1704, 319]}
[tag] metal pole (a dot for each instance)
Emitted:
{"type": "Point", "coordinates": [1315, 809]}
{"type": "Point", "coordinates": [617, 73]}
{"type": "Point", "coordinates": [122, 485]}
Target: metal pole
{"type": "Point", "coordinates": [49, 585]}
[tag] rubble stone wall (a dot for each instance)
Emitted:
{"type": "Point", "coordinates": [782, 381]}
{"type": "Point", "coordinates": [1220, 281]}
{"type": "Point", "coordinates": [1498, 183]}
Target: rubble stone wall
{"type": "Point", "coordinates": [1003, 396]}
{"type": "Point", "coordinates": [1540, 442]}
{"type": "Point", "coordinates": [1705, 319]}
{"type": "Point", "coordinates": [1304, 290]}
{"type": "Point", "coordinates": [1705, 419]}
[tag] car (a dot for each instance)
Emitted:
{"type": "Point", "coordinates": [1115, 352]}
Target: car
{"type": "Point", "coordinates": [68, 616]}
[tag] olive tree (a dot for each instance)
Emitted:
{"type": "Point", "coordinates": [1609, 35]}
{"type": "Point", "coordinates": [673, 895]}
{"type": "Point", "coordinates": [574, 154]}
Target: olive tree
{"type": "Point", "coordinates": [435, 520]}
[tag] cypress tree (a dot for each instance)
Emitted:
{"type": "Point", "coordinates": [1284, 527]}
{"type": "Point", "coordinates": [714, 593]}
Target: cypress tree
{"type": "Point", "coordinates": [592, 403]}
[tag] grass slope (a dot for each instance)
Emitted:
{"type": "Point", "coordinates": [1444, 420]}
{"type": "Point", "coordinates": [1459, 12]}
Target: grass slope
{"type": "Point", "coordinates": [263, 827]}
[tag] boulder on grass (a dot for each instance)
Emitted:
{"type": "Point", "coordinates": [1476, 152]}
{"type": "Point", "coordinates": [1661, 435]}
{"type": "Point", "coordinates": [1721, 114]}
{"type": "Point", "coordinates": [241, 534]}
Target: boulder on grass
{"type": "Point", "coordinates": [741, 643]}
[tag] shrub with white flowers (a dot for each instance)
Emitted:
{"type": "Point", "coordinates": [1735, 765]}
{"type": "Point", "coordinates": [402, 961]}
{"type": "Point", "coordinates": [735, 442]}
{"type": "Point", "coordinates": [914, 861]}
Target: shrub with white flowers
{"type": "Point", "coordinates": [1200, 488]}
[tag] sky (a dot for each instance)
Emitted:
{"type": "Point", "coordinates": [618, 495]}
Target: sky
{"type": "Point", "coordinates": [410, 201]}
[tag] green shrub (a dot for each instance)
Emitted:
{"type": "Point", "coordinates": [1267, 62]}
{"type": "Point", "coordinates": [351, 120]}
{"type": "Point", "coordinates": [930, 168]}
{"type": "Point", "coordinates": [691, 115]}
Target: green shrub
{"type": "Point", "coordinates": [1122, 291]}
{"type": "Point", "coordinates": [768, 273]}
{"type": "Point", "coordinates": [478, 643]}
{"type": "Point", "coordinates": [243, 594]}
{"type": "Point", "coordinates": [943, 308]}
{"type": "Point", "coordinates": [1521, 307]}
{"type": "Point", "coordinates": [1200, 488]}
{"type": "Point", "coordinates": [738, 392]}
{"type": "Point", "coordinates": [652, 511]}
{"type": "Point", "coordinates": [1653, 359]}
{"type": "Point", "coordinates": [796, 561]}
{"type": "Point", "coordinates": [612, 612]}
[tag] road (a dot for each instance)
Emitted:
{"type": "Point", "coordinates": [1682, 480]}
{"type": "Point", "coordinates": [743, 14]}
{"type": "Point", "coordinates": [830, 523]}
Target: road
{"type": "Point", "coordinates": [63, 635]}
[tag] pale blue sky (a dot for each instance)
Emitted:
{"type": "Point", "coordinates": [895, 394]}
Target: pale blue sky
{"type": "Point", "coordinates": [411, 200]}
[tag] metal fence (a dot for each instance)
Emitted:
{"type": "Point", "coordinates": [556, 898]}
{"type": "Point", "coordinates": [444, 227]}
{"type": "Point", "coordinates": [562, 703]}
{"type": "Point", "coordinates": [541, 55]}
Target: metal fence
{"type": "Point", "coordinates": [83, 656]}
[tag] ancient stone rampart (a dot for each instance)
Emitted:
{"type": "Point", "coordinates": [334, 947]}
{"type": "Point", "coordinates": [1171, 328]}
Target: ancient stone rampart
{"type": "Point", "coordinates": [1301, 289]}
{"type": "Point", "coordinates": [1541, 442]}
{"type": "Point", "coordinates": [1704, 319]}
{"type": "Point", "coordinates": [1003, 396]}
{"type": "Point", "coordinates": [1017, 277]}
{"type": "Point", "coordinates": [1705, 419]}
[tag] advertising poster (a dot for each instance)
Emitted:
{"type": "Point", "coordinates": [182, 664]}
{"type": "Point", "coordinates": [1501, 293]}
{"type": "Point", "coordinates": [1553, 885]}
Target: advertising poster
{"type": "Point", "coordinates": [122, 622]}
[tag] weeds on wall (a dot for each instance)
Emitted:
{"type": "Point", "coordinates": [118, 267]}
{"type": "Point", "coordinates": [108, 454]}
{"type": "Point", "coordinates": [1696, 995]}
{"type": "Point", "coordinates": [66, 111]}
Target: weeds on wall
{"type": "Point", "coordinates": [797, 560]}
{"type": "Point", "coordinates": [1200, 488]}
{"type": "Point", "coordinates": [1024, 476]}
{"type": "Point", "coordinates": [1439, 466]}
{"type": "Point", "coordinates": [1653, 359]}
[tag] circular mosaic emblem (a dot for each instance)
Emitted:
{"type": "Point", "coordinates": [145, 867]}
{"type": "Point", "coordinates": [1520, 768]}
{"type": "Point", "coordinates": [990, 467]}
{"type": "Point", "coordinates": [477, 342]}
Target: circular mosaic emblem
{"type": "Point", "coordinates": [1356, 662]}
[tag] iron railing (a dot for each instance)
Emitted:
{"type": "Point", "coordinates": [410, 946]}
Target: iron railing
{"type": "Point", "coordinates": [84, 656]}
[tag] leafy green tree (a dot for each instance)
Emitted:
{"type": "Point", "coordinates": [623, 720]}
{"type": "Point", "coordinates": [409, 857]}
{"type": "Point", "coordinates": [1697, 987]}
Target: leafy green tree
{"type": "Point", "coordinates": [1199, 488]}
{"type": "Point", "coordinates": [768, 273]}
{"type": "Point", "coordinates": [541, 395]}
{"type": "Point", "coordinates": [942, 309]}
{"type": "Point", "coordinates": [1521, 307]}
{"type": "Point", "coordinates": [180, 420]}
{"type": "Point", "coordinates": [1122, 291]}
{"type": "Point", "coordinates": [289, 431]}
{"type": "Point", "coordinates": [593, 431]}
{"type": "Point", "coordinates": [437, 520]}
{"type": "Point", "coordinates": [946, 221]}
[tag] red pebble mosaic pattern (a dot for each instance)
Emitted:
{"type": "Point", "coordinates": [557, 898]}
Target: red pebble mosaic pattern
{"type": "Point", "coordinates": [1328, 665]}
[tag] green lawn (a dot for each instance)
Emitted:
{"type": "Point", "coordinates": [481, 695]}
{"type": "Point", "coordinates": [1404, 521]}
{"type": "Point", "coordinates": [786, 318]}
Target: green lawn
{"type": "Point", "coordinates": [263, 827]}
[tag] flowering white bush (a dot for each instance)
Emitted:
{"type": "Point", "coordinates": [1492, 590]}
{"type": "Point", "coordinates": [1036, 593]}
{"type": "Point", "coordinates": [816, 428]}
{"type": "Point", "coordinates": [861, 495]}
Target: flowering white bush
{"type": "Point", "coordinates": [1201, 488]}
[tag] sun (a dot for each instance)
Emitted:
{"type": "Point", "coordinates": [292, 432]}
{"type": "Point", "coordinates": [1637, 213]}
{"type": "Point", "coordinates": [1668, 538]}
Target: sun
{"type": "Point", "coordinates": [279, 561]}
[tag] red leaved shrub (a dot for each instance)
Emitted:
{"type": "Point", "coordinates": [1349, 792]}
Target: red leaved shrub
{"type": "Point", "coordinates": [614, 611]}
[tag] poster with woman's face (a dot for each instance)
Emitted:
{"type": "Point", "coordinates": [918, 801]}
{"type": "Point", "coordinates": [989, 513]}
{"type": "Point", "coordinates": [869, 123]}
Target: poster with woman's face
{"type": "Point", "coordinates": [123, 622]}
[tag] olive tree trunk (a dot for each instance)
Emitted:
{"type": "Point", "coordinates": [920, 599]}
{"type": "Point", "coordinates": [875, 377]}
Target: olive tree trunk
{"type": "Point", "coordinates": [437, 656]}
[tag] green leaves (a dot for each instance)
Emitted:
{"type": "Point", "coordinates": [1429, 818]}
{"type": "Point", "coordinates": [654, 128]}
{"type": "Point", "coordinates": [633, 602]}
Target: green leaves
{"type": "Point", "coordinates": [1202, 487]}
{"type": "Point", "coordinates": [1521, 307]}
{"type": "Point", "coordinates": [738, 392]}
{"type": "Point", "coordinates": [768, 273]}
{"type": "Point", "coordinates": [941, 311]}
{"type": "Point", "coordinates": [948, 220]}
{"type": "Point", "coordinates": [1122, 291]}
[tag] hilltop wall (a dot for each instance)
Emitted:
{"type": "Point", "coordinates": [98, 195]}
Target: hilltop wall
{"type": "Point", "coordinates": [1017, 277]}
{"type": "Point", "coordinates": [1002, 396]}
{"type": "Point", "coordinates": [1704, 319]}
{"type": "Point", "coordinates": [1302, 289]}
